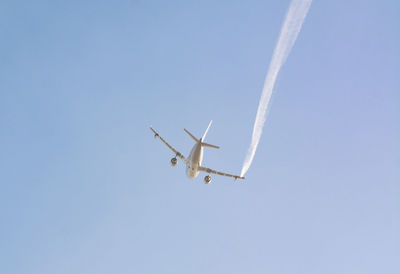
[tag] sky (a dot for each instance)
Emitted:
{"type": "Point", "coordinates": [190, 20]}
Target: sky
{"type": "Point", "coordinates": [85, 188]}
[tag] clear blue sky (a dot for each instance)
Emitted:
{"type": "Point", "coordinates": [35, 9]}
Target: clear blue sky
{"type": "Point", "coordinates": [86, 189]}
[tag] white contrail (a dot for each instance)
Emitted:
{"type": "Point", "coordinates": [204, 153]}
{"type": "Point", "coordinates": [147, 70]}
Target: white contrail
{"type": "Point", "coordinates": [290, 29]}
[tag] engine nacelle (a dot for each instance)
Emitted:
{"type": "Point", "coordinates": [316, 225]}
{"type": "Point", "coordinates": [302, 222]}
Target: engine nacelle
{"type": "Point", "coordinates": [207, 179]}
{"type": "Point", "coordinates": [174, 161]}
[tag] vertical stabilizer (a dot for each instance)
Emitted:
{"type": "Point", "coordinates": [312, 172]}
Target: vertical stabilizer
{"type": "Point", "coordinates": [202, 138]}
{"type": "Point", "coordinates": [205, 133]}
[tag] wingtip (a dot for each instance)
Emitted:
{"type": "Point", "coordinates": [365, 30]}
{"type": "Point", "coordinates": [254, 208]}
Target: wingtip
{"type": "Point", "coordinates": [239, 177]}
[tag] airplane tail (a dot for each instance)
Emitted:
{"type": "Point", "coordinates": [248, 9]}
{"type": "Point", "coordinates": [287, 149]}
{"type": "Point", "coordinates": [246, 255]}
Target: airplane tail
{"type": "Point", "coordinates": [202, 138]}
{"type": "Point", "coordinates": [209, 145]}
{"type": "Point", "coordinates": [205, 133]}
{"type": "Point", "coordinates": [191, 135]}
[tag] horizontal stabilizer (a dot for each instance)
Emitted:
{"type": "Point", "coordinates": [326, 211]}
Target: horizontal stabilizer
{"type": "Point", "coordinates": [190, 134]}
{"type": "Point", "coordinates": [209, 145]}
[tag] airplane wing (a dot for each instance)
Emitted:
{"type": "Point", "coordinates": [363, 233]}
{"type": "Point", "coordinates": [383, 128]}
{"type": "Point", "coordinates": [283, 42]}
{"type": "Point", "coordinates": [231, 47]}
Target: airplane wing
{"type": "Point", "coordinates": [209, 170]}
{"type": "Point", "coordinates": [178, 154]}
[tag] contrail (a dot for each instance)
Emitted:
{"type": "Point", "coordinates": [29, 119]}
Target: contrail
{"type": "Point", "coordinates": [290, 29]}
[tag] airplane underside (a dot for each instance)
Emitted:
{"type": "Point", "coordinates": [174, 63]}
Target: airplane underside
{"type": "Point", "coordinates": [193, 162]}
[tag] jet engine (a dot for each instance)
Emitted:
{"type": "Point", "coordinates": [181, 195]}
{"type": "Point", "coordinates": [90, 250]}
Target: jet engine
{"type": "Point", "coordinates": [207, 179]}
{"type": "Point", "coordinates": [174, 161]}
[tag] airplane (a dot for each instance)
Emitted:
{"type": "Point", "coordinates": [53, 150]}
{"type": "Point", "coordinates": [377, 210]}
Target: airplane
{"type": "Point", "coordinates": [193, 162]}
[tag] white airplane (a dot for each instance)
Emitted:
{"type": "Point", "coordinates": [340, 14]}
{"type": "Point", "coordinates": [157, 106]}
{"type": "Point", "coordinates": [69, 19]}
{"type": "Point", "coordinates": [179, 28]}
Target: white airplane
{"type": "Point", "coordinates": [193, 163]}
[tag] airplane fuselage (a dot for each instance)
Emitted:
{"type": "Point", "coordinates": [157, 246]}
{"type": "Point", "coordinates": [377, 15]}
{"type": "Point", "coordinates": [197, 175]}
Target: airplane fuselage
{"type": "Point", "coordinates": [194, 161]}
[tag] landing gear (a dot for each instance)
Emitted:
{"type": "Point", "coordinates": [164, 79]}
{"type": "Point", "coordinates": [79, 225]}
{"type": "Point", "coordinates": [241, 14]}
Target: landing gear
{"type": "Point", "coordinates": [207, 179]}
